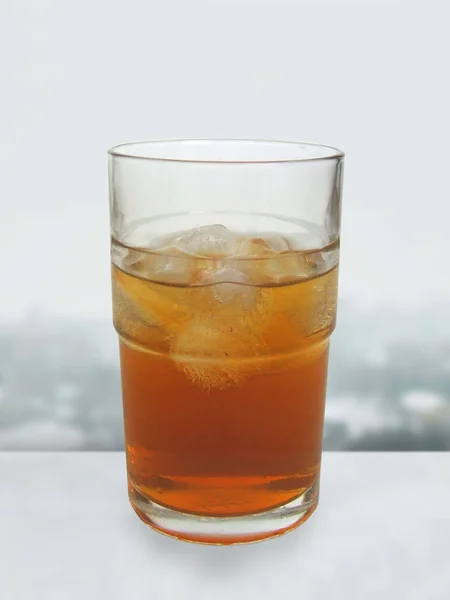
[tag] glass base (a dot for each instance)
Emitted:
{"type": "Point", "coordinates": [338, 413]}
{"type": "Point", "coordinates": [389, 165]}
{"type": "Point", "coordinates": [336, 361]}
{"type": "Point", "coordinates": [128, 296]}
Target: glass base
{"type": "Point", "coordinates": [225, 530]}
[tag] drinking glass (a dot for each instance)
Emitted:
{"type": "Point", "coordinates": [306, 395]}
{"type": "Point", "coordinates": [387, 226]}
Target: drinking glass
{"type": "Point", "coordinates": [224, 280]}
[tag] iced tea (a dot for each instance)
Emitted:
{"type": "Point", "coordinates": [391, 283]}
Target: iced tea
{"type": "Point", "coordinates": [224, 349]}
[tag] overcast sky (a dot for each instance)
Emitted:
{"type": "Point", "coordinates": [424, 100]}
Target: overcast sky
{"type": "Point", "coordinates": [78, 78]}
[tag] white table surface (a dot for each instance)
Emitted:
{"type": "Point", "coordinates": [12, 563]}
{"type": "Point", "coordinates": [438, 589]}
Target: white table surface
{"type": "Point", "coordinates": [382, 530]}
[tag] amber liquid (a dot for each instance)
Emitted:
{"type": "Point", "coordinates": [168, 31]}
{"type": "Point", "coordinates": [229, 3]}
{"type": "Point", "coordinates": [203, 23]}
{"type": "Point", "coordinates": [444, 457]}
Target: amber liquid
{"type": "Point", "coordinates": [223, 399]}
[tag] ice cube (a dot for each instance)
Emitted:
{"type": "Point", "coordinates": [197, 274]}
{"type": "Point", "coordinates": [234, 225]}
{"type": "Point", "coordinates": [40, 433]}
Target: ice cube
{"type": "Point", "coordinates": [291, 266]}
{"type": "Point", "coordinates": [263, 245]}
{"type": "Point", "coordinates": [215, 349]}
{"type": "Point", "coordinates": [215, 346]}
{"type": "Point", "coordinates": [136, 324]}
{"type": "Point", "coordinates": [156, 304]}
{"type": "Point", "coordinates": [206, 241]}
{"type": "Point", "coordinates": [229, 285]}
{"type": "Point", "coordinates": [173, 268]}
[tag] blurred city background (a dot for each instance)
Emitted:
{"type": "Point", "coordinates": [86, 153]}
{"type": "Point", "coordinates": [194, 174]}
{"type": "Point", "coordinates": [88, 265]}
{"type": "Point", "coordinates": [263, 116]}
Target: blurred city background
{"type": "Point", "coordinates": [78, 79]}
{"type": "Point", "coordinates": [388, 383]}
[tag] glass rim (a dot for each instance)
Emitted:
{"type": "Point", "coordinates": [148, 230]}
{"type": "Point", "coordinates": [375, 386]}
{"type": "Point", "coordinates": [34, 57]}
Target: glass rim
{"type": "Point", "coordinates": [124, 151]}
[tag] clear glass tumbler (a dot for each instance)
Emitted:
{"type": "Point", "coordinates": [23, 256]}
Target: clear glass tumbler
{"type": "Point", "coordinates": [224, 276]}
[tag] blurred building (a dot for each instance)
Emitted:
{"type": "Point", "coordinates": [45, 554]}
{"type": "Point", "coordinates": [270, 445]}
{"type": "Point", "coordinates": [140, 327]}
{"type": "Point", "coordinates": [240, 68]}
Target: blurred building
{"type": "Point", "coordinates": [60, 386]}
